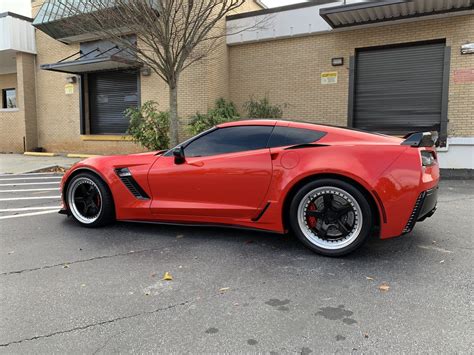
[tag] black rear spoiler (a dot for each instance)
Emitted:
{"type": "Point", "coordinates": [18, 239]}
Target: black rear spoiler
{"type": "Point", "coordinates": [421, 139]}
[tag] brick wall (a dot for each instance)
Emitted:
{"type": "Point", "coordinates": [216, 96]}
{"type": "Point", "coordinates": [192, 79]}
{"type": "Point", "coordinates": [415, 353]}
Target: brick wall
{"type": "Point", "coordinates": [12, 124]}
{"type": "Point", "coordinates": [288, 70]}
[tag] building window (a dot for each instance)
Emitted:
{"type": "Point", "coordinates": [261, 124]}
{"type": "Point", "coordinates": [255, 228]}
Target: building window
{"type": "Point", "coordinates": [9, 98]}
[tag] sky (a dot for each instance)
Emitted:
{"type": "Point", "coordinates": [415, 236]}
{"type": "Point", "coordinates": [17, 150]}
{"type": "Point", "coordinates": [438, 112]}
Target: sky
{"type": "Point", "coordinates": [275, 3]}
{"type": "Point", "coordinates": [21, 7]}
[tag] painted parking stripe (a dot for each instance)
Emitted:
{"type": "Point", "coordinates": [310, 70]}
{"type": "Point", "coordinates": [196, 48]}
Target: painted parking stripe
{"type": "Point", "coordinates": [29, 214]}
{"type": "Point", "coordinates": [34, 178]}
{"type": "Point", "coordinates": [29, 198]}
{"type": "Point", "coordinates": [28, 174]}
{"type": "Point", "coordinates": [30, 209]}
{"type": "Point", "coordinates": [30, 190]}
{"type": "Point", "coordinates": [31, 183]}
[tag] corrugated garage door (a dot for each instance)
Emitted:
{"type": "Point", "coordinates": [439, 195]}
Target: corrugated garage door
{"type": "Point", "coordinates": [399, 90]}
{"type": "Point", "coordinates": [110, 94]}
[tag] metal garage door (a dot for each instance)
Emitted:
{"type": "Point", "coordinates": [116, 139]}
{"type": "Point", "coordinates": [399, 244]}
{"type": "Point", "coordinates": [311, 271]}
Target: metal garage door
{"type": "Point", "coordinates": [110, 94]}
{"type": "Point", "coordinates": [400, 89]}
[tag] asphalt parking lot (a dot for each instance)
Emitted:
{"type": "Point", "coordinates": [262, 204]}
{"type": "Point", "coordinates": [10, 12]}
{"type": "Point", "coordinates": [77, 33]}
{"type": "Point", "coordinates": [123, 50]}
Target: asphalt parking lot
{"type": "Point", "coordinates": [64, 288]}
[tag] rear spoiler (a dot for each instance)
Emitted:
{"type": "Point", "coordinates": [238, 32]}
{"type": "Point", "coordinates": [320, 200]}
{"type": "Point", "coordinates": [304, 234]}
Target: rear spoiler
{"type": "Point", "coordinates": [421, 139]}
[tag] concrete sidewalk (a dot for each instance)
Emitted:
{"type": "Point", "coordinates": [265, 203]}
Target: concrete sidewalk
{"type": "Point", "coordinates": [19, 163]}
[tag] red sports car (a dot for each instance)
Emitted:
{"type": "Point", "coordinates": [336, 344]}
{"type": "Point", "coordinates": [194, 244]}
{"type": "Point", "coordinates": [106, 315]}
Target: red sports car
{"type": "Point", "coordinates": [333, 187]}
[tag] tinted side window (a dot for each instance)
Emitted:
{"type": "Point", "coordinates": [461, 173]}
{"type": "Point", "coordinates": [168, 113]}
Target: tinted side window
{"type": "Point", "coordinates": [283, 136]}
{"type": "Point", "coordinates": [229, 140]}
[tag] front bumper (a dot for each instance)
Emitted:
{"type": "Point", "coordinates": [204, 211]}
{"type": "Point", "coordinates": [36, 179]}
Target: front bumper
{"type": "Point", "coordinates": [425, 206]}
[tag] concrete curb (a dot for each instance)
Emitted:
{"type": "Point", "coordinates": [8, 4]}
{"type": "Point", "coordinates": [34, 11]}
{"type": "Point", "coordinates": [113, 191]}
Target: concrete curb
{"type": "Point", "coordinates": [40, 154]}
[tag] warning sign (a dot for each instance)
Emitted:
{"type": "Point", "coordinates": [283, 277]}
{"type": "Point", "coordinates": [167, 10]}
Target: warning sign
{"type": "Point", "coordinates": [329, 77]}
{"type": "Point", "coordinates": [69, 89]}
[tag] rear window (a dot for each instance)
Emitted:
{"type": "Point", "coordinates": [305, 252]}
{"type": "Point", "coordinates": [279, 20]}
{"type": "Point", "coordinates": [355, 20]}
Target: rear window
{"type": "Point", "coordinates": [283, 136]}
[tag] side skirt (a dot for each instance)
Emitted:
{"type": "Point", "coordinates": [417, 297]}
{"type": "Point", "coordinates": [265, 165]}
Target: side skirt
{"type": "Point", "coordinates": [191, 224]}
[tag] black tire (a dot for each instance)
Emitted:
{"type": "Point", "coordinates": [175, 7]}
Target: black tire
{"type": "Point", "coordinates": [106, 212]}
{"type": "Point", "coordinates": [311, 237]}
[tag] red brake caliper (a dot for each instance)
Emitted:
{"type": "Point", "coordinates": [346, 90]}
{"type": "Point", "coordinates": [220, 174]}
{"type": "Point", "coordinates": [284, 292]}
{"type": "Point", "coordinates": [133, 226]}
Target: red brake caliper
{"type": "Point", "coordinates": [312, 220]}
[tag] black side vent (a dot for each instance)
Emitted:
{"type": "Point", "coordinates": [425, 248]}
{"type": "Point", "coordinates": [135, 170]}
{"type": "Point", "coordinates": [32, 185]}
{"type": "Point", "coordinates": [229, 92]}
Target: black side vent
{"type": "Point", "coordinates": [132, 185]}
{"type": "Point", "coordinates": [414, 215]}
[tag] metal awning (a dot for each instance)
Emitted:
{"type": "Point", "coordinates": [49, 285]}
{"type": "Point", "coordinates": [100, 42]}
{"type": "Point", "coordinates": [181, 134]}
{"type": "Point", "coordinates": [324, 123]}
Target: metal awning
{"type": "Point", "coordinates": [93, 61]}
{"type": "Point", "coordinates": [60, 19]}
{"type": "Point", "coordinates": [362, 13]}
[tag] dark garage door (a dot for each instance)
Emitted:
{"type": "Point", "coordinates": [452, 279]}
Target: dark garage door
{"type": "Point", "coordinates": [110, 94]}
{"type": "Point", "coordinates": [400, 89]}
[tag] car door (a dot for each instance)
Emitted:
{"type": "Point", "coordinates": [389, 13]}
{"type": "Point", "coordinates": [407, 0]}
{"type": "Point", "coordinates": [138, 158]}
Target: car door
{"type": "Point", "coordinates": [226, 174]}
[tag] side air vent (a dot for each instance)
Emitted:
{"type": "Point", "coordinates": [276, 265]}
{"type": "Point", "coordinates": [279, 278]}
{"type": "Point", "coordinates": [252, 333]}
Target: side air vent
{"type": "Point", "coordinates": [414, 215]}
{"type": "Point", "coordinates": [126, 176]}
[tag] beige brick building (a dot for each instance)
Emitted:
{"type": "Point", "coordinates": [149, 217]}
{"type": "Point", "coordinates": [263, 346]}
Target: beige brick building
{"type": "Point", "coordinates": [295, 59]}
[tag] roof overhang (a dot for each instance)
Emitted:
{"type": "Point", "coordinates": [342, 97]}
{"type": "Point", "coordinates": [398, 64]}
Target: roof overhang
{"type": "Point", "coordinates": [363, 13]}
{"type": "Point", "coordinates": [79, 66]}
{"type": "Point", "coordinates": [64, 20]}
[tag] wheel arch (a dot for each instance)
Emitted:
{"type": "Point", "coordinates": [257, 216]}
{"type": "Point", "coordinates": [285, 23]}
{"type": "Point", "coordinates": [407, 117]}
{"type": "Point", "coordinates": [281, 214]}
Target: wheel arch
{"type": "Point", "coordinates": [89, 170]}
{"type": "Point", "coordinates": [377, 210]}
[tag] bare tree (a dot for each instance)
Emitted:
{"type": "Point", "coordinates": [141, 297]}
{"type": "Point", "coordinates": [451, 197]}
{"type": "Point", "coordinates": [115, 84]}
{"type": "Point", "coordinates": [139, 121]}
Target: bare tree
{"type": "Point", "coordinates": [170, 35]}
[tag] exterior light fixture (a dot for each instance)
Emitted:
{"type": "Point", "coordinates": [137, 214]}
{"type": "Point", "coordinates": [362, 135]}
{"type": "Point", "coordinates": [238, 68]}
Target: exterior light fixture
{"type": "Point", "coordinates": [146, 71]}
{"type": "Point", "coordinates": [467, 48]}
{"type": "Point", "coordinates": [335, 62]}
{"type": "Point", "coordinates": [71, 79]}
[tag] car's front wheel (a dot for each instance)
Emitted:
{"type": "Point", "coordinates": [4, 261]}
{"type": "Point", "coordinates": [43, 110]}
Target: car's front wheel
{"type": "Point", "coordinates": [89, 200]}
{"type": "Point", "coordinates": [331, 217]}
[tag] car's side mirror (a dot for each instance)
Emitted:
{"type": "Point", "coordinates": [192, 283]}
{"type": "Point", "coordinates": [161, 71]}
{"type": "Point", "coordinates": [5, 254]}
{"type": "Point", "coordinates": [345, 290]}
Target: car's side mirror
{"type": "Point", "coordinates": [178, 154]}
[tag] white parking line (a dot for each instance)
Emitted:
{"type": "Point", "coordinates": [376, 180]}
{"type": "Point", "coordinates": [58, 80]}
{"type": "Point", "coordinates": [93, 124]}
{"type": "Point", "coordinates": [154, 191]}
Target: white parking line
{"type": "Point", "coordinates": [31, 183]}
{"type": "Point", "coordinates": [28, 214]}
{"type": "Point", "coordinates": [30, 209]}
{"type": "Point", "coordinates": [28, 174]}
{"type": "Point", "coordinates": [29, 190]}
{"type": "Point", "coordinates": [29, 198]}
{"type": "Point", "coordinates": [33, 178]}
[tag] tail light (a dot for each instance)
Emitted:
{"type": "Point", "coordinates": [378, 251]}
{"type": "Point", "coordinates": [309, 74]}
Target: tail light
{"type": "Point", "coordinates": [428, 157]}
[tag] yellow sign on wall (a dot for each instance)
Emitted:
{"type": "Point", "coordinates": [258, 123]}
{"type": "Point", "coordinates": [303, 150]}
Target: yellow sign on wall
{"type": "Point", "coordinates": [69, 89]}
{"type": "Point", "coordinates": [329, 77]}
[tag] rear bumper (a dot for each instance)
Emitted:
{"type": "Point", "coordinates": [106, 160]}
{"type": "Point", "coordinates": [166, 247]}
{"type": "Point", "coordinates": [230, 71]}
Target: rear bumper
{"type": "Point", "coordinates": [425, 206]}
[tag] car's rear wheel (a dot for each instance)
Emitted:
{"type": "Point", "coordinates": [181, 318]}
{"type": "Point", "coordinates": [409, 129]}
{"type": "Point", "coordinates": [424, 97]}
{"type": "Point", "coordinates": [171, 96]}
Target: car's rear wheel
{"type": "Point", "coordinates": [89, 200]}
{"type": "Point", "coordinates": [331, 217]}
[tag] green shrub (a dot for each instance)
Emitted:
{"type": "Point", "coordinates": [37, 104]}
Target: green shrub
{"type": "Point", "coordinates": [262, 108]}
{"type": "Point", "coordinates": [223, 111]}
{"type": "Point", "coordinates": [148, 126]}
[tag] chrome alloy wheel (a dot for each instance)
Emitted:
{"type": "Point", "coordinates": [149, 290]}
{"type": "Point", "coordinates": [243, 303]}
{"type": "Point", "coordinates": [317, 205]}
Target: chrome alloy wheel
{"type": "Point", "coordinates": [330, 217]}
{"type": "Point", "coordinates": [84, 200]}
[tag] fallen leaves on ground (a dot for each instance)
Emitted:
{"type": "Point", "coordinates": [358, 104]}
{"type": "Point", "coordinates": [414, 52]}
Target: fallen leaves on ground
{"type": "Point", "coordinates": [167, 276]}
{"type": "Point", "coordinates": [179, 236]}
{"type": "Point", "coordinates": [384, 287]}
{"type": "Point", "coordinates": [65, 266]}
{"type": "Point", "coordinates": [224, 289]}
{"type": "Point", "coordinates": [369, 278]}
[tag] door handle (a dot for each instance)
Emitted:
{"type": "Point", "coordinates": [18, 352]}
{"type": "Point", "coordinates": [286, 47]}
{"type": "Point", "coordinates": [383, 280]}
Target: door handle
{"type": "Point", "coordinates": [197, 163]}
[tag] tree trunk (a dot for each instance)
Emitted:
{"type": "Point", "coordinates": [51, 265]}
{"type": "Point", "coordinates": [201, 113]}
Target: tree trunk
{"type": "Point", "coordinates": [174, 121]}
